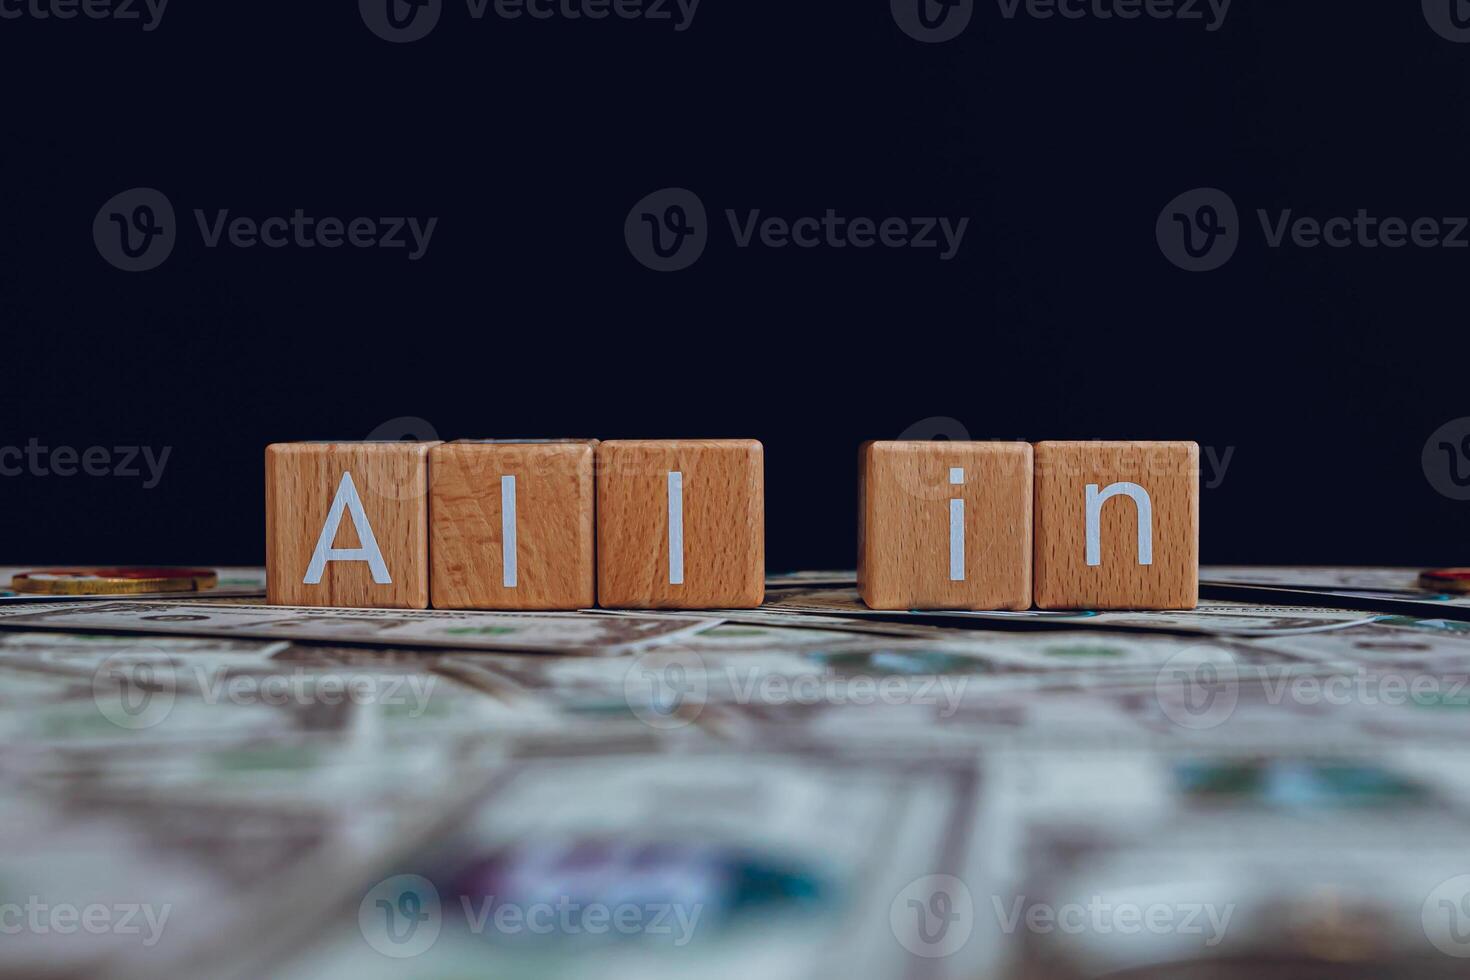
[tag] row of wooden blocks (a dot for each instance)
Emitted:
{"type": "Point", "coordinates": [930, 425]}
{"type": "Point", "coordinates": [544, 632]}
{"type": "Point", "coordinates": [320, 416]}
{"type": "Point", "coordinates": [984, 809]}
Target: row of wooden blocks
{"type": "Point", "coordinates": [680, 524]}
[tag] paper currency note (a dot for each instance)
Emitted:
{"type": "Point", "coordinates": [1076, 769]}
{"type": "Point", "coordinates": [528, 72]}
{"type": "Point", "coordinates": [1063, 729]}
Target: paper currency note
{"type": "Point", "coordinates": [546, 632]}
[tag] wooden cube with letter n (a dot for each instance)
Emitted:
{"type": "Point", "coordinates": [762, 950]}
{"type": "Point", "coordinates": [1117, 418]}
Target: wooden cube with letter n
{"type": "Point", "coordinates": [347, 524]}
{"type": "Point", "coordinates": [1117, 525]}
{"type": "Point", "coordinates": [511, 524]}
{"type": "Point", "coordinates": [945, 525]}
{"type": "Point", "coordinates": [681, 524]}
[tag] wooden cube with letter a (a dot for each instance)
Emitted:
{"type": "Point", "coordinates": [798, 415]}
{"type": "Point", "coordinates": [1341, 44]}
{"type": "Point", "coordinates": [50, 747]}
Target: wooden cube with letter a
{"type": "Point", "coordinates": [1117, 525]}
{"type": "Point", "coordinates": [945, 525]}
{"type": "Point", "coordinates": [347, 524]}
{"type": "Point", "coordinates": [510, 524]}
{"type": "Point", "coordinates": [681, 524]}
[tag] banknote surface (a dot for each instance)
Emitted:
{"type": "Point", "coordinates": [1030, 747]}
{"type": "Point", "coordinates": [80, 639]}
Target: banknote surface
{"type": "Point", "coordinates": [1252, 789]}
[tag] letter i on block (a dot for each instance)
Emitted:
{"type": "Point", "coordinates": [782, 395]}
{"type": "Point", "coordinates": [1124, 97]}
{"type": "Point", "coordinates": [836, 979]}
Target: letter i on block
{"type": "Point", "coordinates": [346, 524]}
{"type": "Point", "coordinates": [1117, 525]}
{"type": "Point", "coordinates": [510, 524]}
{"type": "Point", "coordinates": [681, 524]}
{"type": "Point", "coordinates": [945, 525]}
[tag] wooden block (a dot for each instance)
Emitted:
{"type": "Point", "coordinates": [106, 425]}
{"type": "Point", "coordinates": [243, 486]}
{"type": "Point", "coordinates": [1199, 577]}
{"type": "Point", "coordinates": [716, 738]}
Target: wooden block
{"type": "Point", "coordinates": [347, 524]}
{"type": "Point", "coordinates": [1137, 503]}
{"type": "Point", "coordinates": [510, 525]}
{"type": "Point", "coordinates": [681, 524]}
{"type": "Point", "coordinates": [945, 525]}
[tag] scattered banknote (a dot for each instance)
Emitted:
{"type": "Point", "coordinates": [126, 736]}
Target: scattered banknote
{"type": "Point", "coordinates": [1225, 618]}
{"type": "Point", "coordinates": [809, 789]}
{"type": "Point", "coordinates": [580, 633]}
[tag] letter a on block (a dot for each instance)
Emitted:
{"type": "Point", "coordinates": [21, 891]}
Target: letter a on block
{"type": "Point", "coordinates": [368, 551]}
{"type": "Point", "coordinates": [310, 487]}
{"type": "Point", "coordinates": [1145, 508]}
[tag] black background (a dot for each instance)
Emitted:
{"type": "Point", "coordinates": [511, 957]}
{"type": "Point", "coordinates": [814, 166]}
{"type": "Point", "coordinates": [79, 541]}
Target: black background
{"type": "Point", "coordinates": [1325, 369]}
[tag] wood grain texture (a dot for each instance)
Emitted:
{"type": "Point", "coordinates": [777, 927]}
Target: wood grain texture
{"type": "Point", "coordinates": [724, 551]}
{"type": "Point", "coordinates": [554, 563]}
{"type": "Point", "coordinates": [904, 525]}
{"type": "Point", "coordinates": [302, 479]}
{"type": "Point", "coordinates": [1169, 472]}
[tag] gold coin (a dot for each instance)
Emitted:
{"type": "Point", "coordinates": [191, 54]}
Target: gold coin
{"type": "Point", "coordinates": [113, 581]}
{"type": "Point", "coordinates": [1456, 580]}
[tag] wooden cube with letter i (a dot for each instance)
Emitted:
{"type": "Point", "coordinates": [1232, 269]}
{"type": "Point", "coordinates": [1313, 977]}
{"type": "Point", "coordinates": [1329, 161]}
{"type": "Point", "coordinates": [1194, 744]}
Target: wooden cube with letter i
{"type": "Point", "coordinates": [510, 524]}
{"type": "Point", "coordinates": [945, 525]}
{"type": "Point", "coordinates": [347, 524]}
{"type": "Point", "coordinates": [681, 524]}
{"type": "Point", "coordinates": [1117, 525]}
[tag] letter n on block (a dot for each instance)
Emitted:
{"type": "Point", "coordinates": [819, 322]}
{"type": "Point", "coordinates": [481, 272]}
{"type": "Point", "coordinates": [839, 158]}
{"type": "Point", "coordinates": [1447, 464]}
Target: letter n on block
{"type": "Point", "coordinates": [346, 524]}
{"type": "Point", "coordinates": [1117, 525]}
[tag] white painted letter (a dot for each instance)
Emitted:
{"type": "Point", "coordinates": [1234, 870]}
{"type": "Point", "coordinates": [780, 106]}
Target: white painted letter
{"type": "Point", "coordinates": [956, 528]}
{"type": "Point", "coordinates": [1145, 508]}
{"type": "Point", "coordinates": [347, 499]}
{"type": "Point", "coordinates": [676, 527]}
{"type": "Point", "coordinates": [508, 531]}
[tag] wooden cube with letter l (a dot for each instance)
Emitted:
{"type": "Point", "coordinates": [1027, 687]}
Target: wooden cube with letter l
{"type": "Point", "coordinates": [945, 525]}
{"type": "Point", "coordinates": [511, 524]}
{"type": "Point", "coordinates": [347, 524]}
{"type": "Point", "coordinates": [1117, 525]}
{"type": "Point", "coordinates": [680, 524]}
